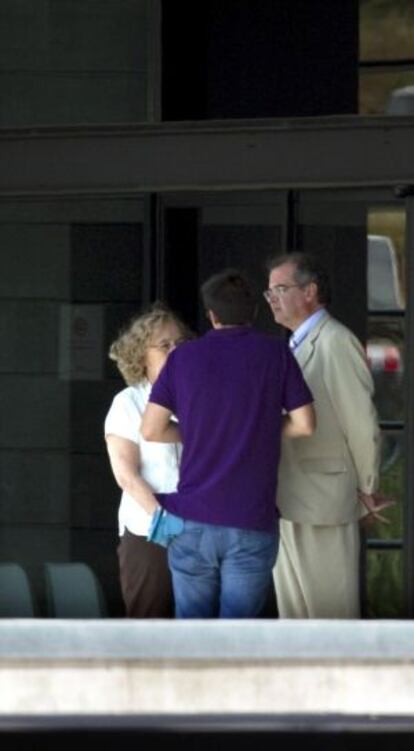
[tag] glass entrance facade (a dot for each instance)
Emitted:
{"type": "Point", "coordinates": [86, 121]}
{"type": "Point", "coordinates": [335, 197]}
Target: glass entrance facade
{"type": "Point", "coordinates": [103, 209]}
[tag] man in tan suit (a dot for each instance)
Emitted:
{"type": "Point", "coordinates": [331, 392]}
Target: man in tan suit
{"type": "Point", "coordinates": [328, 481]}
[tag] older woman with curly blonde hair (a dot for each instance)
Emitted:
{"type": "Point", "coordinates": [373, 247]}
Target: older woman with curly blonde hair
{"type": "Point", "coordinates": [140, 468]}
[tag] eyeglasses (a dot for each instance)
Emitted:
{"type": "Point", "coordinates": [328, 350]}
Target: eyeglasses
{"type": "Point", "coordinates": [279, 290]}
{"type": "Point", "coordinates": [166, 345]}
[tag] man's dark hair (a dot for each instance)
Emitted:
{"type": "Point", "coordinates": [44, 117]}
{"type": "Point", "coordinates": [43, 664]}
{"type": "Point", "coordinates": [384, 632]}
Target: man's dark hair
{"type": "Point", "coordinates": [230, 297]}
{"type": "Point", "coordinates": [308, 268]}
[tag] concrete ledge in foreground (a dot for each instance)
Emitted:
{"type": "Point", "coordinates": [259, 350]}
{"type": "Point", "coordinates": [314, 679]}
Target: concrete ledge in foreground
{"type": "Point", "coordinates": [204, 667]}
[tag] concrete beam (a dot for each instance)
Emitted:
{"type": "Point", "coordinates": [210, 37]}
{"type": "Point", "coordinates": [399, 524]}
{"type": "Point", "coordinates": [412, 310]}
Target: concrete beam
{"type": "Point", "coordinates": [231, 155]}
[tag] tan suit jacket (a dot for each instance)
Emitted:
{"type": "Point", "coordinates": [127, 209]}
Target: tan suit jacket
{"type": "Point", "coordinates": [319, 476]}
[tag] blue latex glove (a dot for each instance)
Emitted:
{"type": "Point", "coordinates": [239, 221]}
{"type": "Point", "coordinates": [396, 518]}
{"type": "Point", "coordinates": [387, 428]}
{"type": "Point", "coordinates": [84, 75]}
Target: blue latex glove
{"type": "Point", "coordinates": [164, 527]}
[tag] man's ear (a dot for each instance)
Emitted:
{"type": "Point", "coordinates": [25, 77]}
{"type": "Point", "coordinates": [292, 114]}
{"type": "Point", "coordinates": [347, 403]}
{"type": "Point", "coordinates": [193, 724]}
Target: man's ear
{"type": "Point", "coordinates": [311, 291]}
{"type": "Point", "coordinates": [212, 318]}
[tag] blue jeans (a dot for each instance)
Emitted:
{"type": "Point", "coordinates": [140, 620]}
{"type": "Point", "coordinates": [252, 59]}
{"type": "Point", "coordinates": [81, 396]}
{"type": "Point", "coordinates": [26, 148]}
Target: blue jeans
{"type": "Point", "coordinates": [221, 572]}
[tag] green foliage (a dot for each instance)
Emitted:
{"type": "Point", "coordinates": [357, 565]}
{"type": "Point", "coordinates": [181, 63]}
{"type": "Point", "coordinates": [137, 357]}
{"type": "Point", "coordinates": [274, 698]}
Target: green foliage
{"type": "Point", "coordinates": [385, 584]}
{"type": "Point", "coordinates": [384, 568]}
{"type": "Point", "coordinates": [386, 33]}
{"type": "Point", "coordinates": [375, 8]}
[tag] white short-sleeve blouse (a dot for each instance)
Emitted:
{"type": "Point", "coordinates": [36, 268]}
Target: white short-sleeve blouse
{"type": "Point", "coordinates": [159, 461]}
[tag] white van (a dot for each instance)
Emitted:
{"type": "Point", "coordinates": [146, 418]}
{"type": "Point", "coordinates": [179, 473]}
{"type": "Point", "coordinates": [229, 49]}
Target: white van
{"type": "Point", "coordinates": [385, 338]}
{"type": "Point", "coordinates": [384, 289]}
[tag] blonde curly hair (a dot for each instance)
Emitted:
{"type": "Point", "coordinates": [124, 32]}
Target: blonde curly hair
{"type": "Point", "coordinates": [129, 349]}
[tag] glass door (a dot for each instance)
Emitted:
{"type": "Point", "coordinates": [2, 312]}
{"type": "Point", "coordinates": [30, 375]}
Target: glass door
{"type": "Point", "coordinates": [206, 232]}
{"type": "Point", "coordinates": [363, 234]}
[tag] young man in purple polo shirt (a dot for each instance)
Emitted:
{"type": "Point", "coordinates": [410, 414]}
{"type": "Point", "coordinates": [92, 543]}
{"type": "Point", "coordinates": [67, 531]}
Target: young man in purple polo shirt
{"type": "Point", "coordinates": [234, 391]}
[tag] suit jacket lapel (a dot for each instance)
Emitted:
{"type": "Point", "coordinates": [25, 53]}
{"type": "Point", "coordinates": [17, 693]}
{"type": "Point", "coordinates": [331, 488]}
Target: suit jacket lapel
{"type": "Point", "coordinates": [305, 351]}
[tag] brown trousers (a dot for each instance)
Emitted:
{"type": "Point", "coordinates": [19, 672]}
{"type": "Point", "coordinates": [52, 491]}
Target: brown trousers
{"type": "Point", "coordinates": [145, 578]}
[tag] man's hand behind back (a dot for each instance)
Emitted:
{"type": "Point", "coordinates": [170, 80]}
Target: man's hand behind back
{"type": "Point", "coordinates": [374, 503]}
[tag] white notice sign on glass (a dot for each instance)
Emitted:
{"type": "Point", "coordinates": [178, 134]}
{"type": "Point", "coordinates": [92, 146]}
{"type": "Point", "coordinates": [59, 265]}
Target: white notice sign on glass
{"type": "Point", "coordinates": [81, 342]}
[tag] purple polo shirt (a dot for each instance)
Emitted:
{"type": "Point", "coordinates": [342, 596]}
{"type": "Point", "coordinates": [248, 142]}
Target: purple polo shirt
{"type": "Point", "coordinates": [228, 390]}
